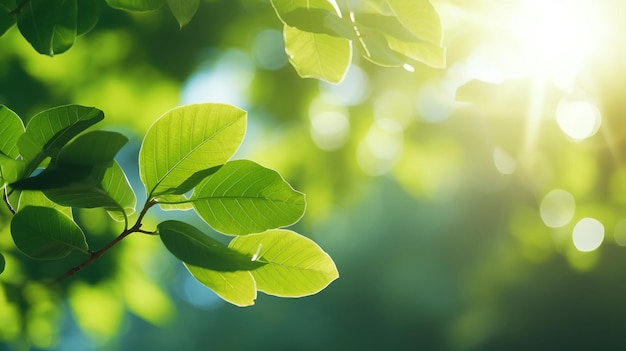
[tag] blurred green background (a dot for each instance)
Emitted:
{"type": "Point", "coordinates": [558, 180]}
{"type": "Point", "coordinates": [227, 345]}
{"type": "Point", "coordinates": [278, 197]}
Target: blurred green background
{"type": "Point", "coordinates": [480, 207]}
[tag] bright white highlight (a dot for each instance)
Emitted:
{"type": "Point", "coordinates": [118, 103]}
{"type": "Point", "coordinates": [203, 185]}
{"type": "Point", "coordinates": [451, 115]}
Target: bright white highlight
{"type": "Point", "coordinates": [578, 119]}
{"type": "Point", "coordinates": [588, 234]}
{"type": "Point", "coordinates": [557, 208]}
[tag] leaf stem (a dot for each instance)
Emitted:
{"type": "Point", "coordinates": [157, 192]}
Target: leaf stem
{"type": "Point", "coordinates": [136, 228]}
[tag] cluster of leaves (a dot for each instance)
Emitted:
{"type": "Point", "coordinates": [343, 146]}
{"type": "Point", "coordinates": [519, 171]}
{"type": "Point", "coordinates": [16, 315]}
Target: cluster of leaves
{"type": "Point", "coordinates": [319, 35]}
{"type": "Point", "coordinates": [54, 165]}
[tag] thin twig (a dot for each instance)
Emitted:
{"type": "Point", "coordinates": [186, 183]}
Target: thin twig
{"type": "Point", "coordinates": [6, 200]}
{"type": "Point", "coordinates": [136, 228]}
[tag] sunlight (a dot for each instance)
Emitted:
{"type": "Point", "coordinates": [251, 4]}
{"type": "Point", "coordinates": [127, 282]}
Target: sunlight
{"type": "Point", "coordinates": [588, 234]}
{"type": "Point", "coordinates": [556, 35]}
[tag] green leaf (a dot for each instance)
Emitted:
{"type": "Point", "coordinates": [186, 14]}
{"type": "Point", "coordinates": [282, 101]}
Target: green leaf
{"type": "Point", "coordinates": [183, 10]}
{"type": "Point", "coordinates": [10, 170]}
{"type": "Point", "coordinates": [48, 131]}
{"type": "Point", "coordinates": [426, 53]}
{"type": "Point", "coordinates": [419, 17]}
{"type": "Point", "coordinates": [6, 19]}
{"type": "Point", "coordinates": [116, 185]}
{"type": "Point", "coordinates": [316, 55]}
{"type": "Point", "coordinates": [174, 202]}
{"type": "Point", "coordinates": [237, 288]}
{"type": "Point", "coordinates": [11, 128]}
{"type": "Point", "coordinates": [37, 198]}
{"type": "Point", "coordinates": [376, 49]}
{"type": "Point", "coordinates": [296, 266]}
{"type": "Point", "coordinates": [45, 233]}
{"type": "Point", "coordinates": [244, 197]}
{"type": "Point", "coordinates": [96, 148]}
{"type": "Point", "coordinates": [49, 26]}
{"type": "Point", "coordinates": [136, 5]}
{"type": "Point", "coordinates": [186, 143]}
{"type": "Point", "coordinates": [317, 16]}
{"type": "Point", "coordinates": [87, 17]}
{"type": "Point", "coordinates": [2, 263]}
{"type": "Point", "coordinates": [55, 177]}
{"type": "Point", "coordinates": [193, 247]}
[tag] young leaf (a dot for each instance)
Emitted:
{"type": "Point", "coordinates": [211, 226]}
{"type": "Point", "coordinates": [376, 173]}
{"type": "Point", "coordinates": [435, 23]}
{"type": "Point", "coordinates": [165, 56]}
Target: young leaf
{"type": "Point", "coordinates": [116, 185]}
{"type": "Point", "coordinates": [96, 148]}
{"type": "Point", "coordinates": [314, 16]}
{"type": "Point", "coordinates": [237, 288]}
{"type": "Point", "coordinates": [183, 10]}
{"type": "Point", "coordinates": [2, 263]}
{"type": "Point", "coordinates": [244, 197]}
{"type": "Point", "coordinates": [45, 233]}
{"type": "Point", "coordinates": [49, 26]}
{"type": "Point", "coordinates": [316, 55]}
{"type": "Point", "coordinates": [426, 53]}
{"type": "Point", "coordinates": [296, 266]}
{"type": "Point", "coordinates": [193, 247]}
{"type": "Point", "coordinates": [48, 131]}
{"type": "Point", "coordinates": [136, 5]}
{"type": "Point", "coordinates": [11, 129]}
{"type": "Point", "coordinates": [186, 143]}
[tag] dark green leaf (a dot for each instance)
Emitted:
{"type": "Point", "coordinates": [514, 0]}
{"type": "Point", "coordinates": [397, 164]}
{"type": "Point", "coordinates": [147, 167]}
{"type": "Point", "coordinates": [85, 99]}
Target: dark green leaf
{"type": "Point", "coordinates": [244, 197]}
{"type": "Point", "coordinates": [183, 146]}
{"type": "Point", "coordinates": [2, 263]}
{"type": "Point", "coordinates": [193, 247]}
{"type": "Point", "coordinates": [136, 5]}
{"type": "Point", "coordinates": [6, 19]}
{"type": "Point", "coordinates": [296, 266]}
{"type": "Point", "coordinates": [183, 10]}
{"type": "Point", "coordinates": [37, 198]}
{"type": "Point", "coordinates": [45, 233]}
{"type": "Point", "coordinates": [96, 148]}
{"type": "Point", "coordinates": [88, 16]}
{"type": "Point", "coordinates": [49, 26]}
{"type": "Point", "coordinates": [55, 177]}
{"type": "Point", "coordinates": [48, 131]}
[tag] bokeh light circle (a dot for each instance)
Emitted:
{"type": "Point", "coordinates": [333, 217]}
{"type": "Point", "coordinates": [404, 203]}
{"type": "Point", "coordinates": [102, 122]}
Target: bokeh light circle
{"type": "Point", "coordinates": [588, 234]}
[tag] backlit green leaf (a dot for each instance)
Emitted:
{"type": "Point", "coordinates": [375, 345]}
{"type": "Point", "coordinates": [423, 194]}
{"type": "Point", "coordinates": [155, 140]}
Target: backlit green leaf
{"type": "Point", "coordinates": [296, 266]}
{"type": "Point", "coordinates": [316, 55]}
{"type": "Point", "coordinates": [11, 128]}
{"type": "Point", "coordinates": [186, 143]}
{"type": "Point", "coordinates": [49, 26]}
{"type": "Point", "coordinates": [136, 5]}
{"type": "Point", "coordinates": [37, 198]}
{"type": "Point", "coordinates": [183, 10]}
{"type": "Point", "coordinates": [193, 247]}
{"type": "Point", "coordinates": [419, 17]}
{"type": "Point", "coordinates": [244, 197]}
{"type": "Point", "coordinates": [48, 131]}
{"type": "Point", "coordinates": [10, 169]}
{"type": "Point", "coordinates": [171, 202]}
{"type": "Point", "coordinates": [45, 233]}
{"type": "Point", "coordinates": [426, 53]}
{"type": "Point", "coordinates": [317, 16]}
{"type": "Point", "coordinates": [116, 185]}
{"type": "Point", "coordinates": [237, 288]}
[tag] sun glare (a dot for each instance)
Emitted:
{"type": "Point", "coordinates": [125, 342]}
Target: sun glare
{"type": "Point", "coordinates": [556, 35]}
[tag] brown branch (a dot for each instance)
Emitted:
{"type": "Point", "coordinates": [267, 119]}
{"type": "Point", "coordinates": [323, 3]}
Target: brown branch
{"type": "Point", "coordinates": [136, 228]}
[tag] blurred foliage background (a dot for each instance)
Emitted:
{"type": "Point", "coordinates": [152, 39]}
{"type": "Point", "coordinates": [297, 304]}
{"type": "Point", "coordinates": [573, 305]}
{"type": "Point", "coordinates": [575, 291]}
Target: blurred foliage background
{"type": "Point", "coordinates": [478, 207]}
